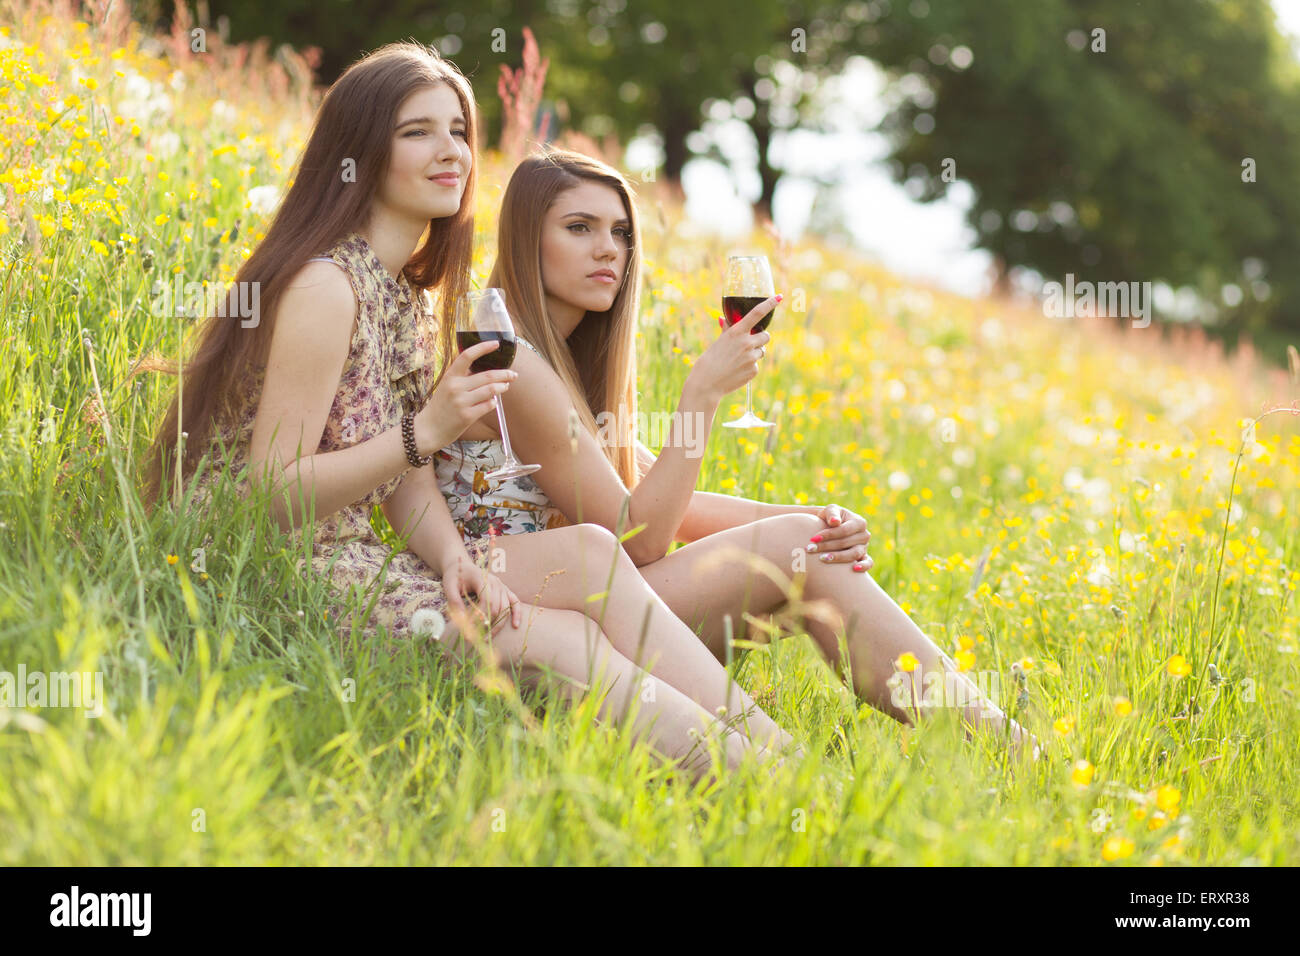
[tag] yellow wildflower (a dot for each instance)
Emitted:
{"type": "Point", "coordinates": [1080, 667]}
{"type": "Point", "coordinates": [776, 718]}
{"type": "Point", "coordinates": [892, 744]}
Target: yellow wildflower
{"type": "Point", "coordinates": [1117, 848]}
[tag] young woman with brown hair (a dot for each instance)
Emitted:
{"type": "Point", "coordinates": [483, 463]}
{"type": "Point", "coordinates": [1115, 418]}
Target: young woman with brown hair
{"type": "Point", "coordinates": [329, 404]}
{"type": "Point", "coordinates": [569, 262]}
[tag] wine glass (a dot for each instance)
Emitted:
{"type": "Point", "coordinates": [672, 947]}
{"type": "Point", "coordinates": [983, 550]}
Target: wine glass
{"type": "Point", "coordinates": [482, 317]}
{"type": "Point", "coordinates": [748, 283]}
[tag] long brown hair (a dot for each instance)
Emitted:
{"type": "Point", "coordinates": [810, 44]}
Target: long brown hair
{"type": "Point", "coordinates": [352, 131]}
{"type": "Point", "coordinates": [597, 363]}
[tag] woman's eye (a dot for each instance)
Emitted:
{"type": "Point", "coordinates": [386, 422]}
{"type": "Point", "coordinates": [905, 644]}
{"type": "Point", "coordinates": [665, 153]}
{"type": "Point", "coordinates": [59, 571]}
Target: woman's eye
{"type": "Point", "coordinates": [463, 134]}
{"type": "Point", "coordinates": [577, 225]}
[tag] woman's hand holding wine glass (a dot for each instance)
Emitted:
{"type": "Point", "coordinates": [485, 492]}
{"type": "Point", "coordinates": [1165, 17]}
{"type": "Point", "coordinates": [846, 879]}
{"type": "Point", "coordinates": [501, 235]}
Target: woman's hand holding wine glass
{"type": "Point", "coordinates": [481, 316]}
{"type": "Point", "coordinates": [732, 360]}
{"type": "Point", "coordinates": [747, 284]}
{"type": "Point", "coordinates": [461, 398]}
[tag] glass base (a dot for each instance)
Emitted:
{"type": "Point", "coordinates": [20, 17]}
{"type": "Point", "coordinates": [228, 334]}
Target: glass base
{"type": "Point", "coordinates": [512, 471]}
{"type": "Point", "coordinates": [748, 420]}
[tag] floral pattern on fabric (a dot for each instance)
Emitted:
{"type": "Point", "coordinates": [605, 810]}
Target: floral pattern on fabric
{"type": "Point", "coordinates": [388, 368]}
{"type": "Point", "coordinates": [482, 507]}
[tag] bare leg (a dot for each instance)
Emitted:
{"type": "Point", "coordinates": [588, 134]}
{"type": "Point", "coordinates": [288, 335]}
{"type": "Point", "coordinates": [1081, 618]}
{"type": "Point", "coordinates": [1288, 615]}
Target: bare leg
{"type": "Point", "coordinates": [567, 645]}
{"type": "Point", "coordinates": [714, 576]}
{"type": "Point", "coordinates": [640, 626]}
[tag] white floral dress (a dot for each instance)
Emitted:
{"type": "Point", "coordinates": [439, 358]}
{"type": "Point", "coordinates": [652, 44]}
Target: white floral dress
{"type": "Point", "coordinates": [483, 507]}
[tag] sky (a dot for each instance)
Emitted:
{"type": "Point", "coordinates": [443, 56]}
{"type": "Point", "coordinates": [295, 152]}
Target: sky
{"type": "Point", "coordinates": [929, 242]}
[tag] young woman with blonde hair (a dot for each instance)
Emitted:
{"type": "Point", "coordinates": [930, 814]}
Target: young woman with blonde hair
{"type": "Point", "coordinates": [329, 404]}
{"type": "Point", "coordinates": [569, 261]}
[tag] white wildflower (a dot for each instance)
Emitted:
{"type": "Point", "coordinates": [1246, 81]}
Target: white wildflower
{"type": "Point", "coordinates": [427, 620]}
{"type": "Point", "coordinates": [263, 199]}
{"type": "Point", "coordinates": [899, 481]}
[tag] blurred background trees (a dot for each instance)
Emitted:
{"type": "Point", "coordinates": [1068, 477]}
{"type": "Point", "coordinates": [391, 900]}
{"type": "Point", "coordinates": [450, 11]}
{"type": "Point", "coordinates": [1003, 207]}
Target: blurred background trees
{"type": "Point", "coordinates": [1129, 140]}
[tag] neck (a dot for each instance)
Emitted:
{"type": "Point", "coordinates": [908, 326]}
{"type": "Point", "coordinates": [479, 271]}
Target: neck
{"type": "Point", "coordinates": [564, 318]}
{"type": "Point", "coordinates": [393, 239]}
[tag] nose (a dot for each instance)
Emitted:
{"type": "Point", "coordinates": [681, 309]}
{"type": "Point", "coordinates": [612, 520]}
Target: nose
{"type": "Point", "coordinates": [449, 148]}
{"type": "Point", "coordinates": [608, 249]}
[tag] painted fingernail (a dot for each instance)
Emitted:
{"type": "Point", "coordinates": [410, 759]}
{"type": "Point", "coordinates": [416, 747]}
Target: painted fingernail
{"type": "Point", "coordinates": [811, 548]}
{"type": "Point", "coordinates": [826, 557]}
{"type": "Point", "coordinates": [858, 567]}
{"type": "Point", "coordinates": [815, 538]}
{"type": "Point", "coordinates": [779, 298]}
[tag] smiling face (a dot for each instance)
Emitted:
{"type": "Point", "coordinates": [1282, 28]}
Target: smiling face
{"type": "Point", "coordinates": [431, 156]}
{"type": "Point", "coordinates": [585, 245]}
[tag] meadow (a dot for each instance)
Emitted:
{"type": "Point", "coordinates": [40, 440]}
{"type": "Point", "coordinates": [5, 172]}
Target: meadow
{"type": "Point", "coordinates": [1102, 517]}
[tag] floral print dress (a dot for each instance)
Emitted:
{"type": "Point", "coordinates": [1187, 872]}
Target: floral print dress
{"type": "Point", "coordinates": [482, 507]}
{"type": "Point", "coordinates": [387, 369]}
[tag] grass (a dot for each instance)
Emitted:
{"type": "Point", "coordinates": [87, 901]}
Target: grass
{"type": "Point", "coordinates": [1073, 507]}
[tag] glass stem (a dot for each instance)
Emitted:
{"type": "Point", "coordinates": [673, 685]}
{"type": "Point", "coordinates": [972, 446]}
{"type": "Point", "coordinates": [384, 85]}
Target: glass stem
{"type": "Point", "coordinates": [748, 408]}
{"type": "Point", "coordinates": [505, 434]}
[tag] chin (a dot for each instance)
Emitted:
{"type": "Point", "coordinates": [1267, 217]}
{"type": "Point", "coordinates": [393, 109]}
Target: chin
{"type": "Point", "coordinates": [442, 212]}
{"type": "Point", "coordinates": [597, 303]}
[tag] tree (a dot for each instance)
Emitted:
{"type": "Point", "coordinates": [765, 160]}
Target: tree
{"type": "Point", "coordinates": [1109, 136]}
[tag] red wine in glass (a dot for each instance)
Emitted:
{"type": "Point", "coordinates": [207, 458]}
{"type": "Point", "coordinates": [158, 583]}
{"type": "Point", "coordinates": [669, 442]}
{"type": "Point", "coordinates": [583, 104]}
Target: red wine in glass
{"type": "Point", "coordinates": [748, 283]}
{"type": "Point", "coordinates": [736, 307]}
{"type": "Point", "coordinates": [482, 317]}
{"type": "Point", "coordinates": [503, 357]}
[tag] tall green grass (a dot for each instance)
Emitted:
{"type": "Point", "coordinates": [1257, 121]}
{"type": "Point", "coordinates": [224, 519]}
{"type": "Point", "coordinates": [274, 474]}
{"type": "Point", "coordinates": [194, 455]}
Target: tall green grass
{"type": "Point", "coordinates": [239, 730]}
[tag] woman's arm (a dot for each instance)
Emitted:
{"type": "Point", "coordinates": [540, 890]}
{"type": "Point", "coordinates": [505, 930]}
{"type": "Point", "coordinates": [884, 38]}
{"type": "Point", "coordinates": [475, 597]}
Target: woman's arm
{"type": "Point", "coordinates": [418, 512]}
{"type": "Point", "coordinates": [844, 540]}
{"type": "Point", "coordinates": [314, 325]}
{"type": "Point", "coordinates": [708, 512]}
{"type": "Point", "coordinates": [581, 482]}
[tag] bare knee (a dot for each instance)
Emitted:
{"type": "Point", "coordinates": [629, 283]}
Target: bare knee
{"type": "Point", "coordinates": [593, 541]}
{"type": "Point", "coordinates": [594, 536]}
{"type": "Point", "coordinates": [799, 528]}
{"type": "Point", "coordinates": [784, 539]}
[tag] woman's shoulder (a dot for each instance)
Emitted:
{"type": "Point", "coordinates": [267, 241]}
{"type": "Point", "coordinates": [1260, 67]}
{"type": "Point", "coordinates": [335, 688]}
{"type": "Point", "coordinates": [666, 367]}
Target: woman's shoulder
{"type": "Point", "coordinates": [538, 395]}
{"type": "Point", "coordinates": [335, 274]}
{"type": "Point", "coordinates": [350, 255]}
{"type": "Point", "coordinates": [523, 341]}
{"type": "Point", "coordinates": [319, 289]}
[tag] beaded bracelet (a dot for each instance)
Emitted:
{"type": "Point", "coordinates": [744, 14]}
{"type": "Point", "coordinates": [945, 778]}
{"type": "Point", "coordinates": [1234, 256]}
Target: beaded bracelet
{"type": "Point", "coordinates": [408, 440]}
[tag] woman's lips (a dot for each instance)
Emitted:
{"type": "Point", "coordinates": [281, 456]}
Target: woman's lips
{"type": "Point", "coordinates": [602, 277]}
{"type": "Point", "coordinates": [445, 180]}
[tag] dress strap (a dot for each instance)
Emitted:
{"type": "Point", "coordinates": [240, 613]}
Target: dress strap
{"type": "Point", "coordinates": [321, 259]}
{"type": "Point", "coordinates": [520, 338]}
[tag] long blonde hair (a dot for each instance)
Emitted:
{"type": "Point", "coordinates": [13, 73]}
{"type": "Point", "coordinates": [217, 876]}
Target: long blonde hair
{"type": "Point", "coordinates": [355, 120]}
{"type": "Point", "coordinates": [597, 363]}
